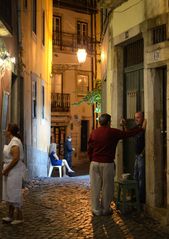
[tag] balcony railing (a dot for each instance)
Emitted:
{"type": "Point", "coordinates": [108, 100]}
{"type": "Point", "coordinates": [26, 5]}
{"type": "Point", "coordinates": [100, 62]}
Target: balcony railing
{"type": "Point", "coordinates": [60, 102]}
{"type": "Point", "coordinates": [84, 6]}
{"type": "Point", "coordinates": [66, 41]}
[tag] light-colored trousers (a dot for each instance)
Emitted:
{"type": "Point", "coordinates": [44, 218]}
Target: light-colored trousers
{"type": "Point", "coordinates": [102, 186]}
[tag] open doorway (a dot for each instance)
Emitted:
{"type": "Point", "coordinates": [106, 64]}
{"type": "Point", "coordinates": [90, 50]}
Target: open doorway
{"type": "Point", "coordinates": [84, 135]}
{"type": "Point", "coordinates": [133, 95]}
{"type": "Point", "coordinates": [58, 137]}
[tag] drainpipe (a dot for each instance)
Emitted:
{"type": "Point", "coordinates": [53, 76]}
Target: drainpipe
{"type": "Point", "coordinates": [92, 72]}
{"type": "Point", "coordinates": [20, 85]}
{"type": "Point", "coordinates": [95, 57]}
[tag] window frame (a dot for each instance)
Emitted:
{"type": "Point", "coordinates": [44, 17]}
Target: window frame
{"type": "Point", "coordinates": [84, 87]}
{"type": "Point", "coordinates": [34, 16]}
{"type": "Point", "coordinates": [34, 98]}
{"type": "Point", "coordinates": [43, 27]}
{"type": "Point", "coordinates": [82, 35]}
{"type": "Point", "coordinates": [57, 29]}
{"type": "Point", "coordinates": [159, 34]}
{"type": "Point", "coordinates": [43, 100]}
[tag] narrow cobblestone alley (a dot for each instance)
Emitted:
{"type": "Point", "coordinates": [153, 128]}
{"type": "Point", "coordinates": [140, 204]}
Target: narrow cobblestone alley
{"type": "Point", "coordinates": [59, 208]}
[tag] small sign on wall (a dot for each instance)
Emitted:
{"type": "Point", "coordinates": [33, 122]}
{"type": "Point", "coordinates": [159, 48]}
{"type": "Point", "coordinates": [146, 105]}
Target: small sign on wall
{"type": "Point", "coordinates": [156, 55]}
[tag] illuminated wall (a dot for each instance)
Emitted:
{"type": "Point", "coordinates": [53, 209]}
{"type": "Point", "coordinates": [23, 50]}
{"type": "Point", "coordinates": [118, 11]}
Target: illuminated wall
{"type": "Point", "coordinates": [68, 56]}
{"type": "Point", "coordinates": [132, 8]}
{"type": "Point", "coordinates": [36, 53]}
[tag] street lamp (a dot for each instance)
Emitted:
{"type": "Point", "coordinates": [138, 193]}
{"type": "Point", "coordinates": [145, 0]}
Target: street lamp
{"type": "Point", "coordinates": [81, 55]}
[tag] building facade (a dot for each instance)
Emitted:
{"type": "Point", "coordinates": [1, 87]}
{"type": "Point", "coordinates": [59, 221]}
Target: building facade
{"type": "Point", "coordinates": [25, 76]}
{"type": "Point", "coordinates": [135, 78]}
{"type": "Point", "coordinates": [9, 74]}
{"type": "Point", "coordinates": [74, 27]}
{"type": "Point", "coordinates": [35, 47]}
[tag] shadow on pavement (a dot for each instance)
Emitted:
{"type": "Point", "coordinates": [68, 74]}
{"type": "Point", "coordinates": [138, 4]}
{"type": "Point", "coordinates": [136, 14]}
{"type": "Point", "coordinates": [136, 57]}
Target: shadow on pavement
{"type": "Point", "coordinates": [81, 168]}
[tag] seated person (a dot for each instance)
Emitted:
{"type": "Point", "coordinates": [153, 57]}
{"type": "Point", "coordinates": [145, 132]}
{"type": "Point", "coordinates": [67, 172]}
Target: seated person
{"type": "Point", "coordinates": [55, 161]}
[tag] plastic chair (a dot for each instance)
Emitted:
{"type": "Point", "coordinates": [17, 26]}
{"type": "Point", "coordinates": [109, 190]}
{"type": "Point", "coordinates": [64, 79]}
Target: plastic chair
{"type": "Point", "coordinates": [51, 167]}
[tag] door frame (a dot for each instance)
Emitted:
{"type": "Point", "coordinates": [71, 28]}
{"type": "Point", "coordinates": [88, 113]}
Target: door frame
{"type": "Point", "coordinates": [160, 126]}
{"type": "Point", "coordinates": [129, 144]}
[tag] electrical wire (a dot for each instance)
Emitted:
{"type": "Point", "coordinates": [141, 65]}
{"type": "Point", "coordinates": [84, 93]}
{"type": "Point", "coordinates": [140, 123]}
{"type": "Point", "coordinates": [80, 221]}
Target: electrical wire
{"type": "Point", "coordinates": [128, 7]}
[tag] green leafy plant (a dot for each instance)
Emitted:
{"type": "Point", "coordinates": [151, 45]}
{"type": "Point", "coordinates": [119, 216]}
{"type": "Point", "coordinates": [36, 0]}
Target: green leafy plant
{"type": "Point", "coordinates": [93, 97]}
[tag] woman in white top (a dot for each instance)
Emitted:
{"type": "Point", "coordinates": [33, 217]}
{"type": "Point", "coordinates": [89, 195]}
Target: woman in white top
{"type": "Point", "coordinates": [13, 171]}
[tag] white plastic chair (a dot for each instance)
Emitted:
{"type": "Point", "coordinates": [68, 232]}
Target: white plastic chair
{"type": "Point", "coordinates": [51, 167]}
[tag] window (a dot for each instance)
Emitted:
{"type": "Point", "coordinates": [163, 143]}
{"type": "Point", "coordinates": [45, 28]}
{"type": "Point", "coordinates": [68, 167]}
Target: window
{"type": "Point", "coordinates": [25, 4]}
{"type": "Point", "coordinates": [43, 28]}
{"type": "Point", "coordinates": [43, 101]}
{"type": "Point", "coordinates": [82, 84]}
{"type": "Point", "coordinates": [134, 53]}
{"type": "Point", "coordinates": [34, 98]}
{"type": "Point", "coordinates": [82, 33]}
{"type": "Point", "coordinates": [57, 30]}
{"type": "Point", "coordinates": [34, 17]}
{"type": "Point", "coordinates": [159, 34]}
{"type": "Point", "coordinates": [57, 85]}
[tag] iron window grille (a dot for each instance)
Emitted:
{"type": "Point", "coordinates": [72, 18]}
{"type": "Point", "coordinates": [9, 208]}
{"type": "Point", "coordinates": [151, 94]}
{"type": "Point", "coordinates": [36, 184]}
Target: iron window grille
{"type": "Point", "coordinates": [159, 34]}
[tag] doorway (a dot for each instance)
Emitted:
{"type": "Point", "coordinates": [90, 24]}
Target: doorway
{"type": "Point", "coordinates": [84, 135]}
{"type": "Point", "coordinates": [133, 96]}
{"type": "Point", "coordinates": [160, 121]}
{"type": "Point", "coordinates": [133, 101]}
{"type": "Point", "coordinates": [59, 136]}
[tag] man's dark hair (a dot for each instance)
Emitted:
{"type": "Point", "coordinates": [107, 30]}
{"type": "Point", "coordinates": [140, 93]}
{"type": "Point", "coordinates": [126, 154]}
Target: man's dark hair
{"type": "Point", "coordinates": [141, 112]}
{"type": "Point", "coordinates": [104, 119]}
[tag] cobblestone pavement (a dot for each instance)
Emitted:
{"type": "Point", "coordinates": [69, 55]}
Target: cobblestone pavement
{"type": "Point", "coordinates": [59, 208]}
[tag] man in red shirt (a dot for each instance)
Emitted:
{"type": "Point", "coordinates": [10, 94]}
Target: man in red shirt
{"type": "Point", "coordinates": [101, 151]}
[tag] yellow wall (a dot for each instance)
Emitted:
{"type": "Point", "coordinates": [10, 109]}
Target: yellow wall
{"type": "Point", "coordinates": [104, 55]}
{"type": "Point", "coordinates": [37, 59]}
{"type": "Point", "coordinates": [156, 7]}
{"type": "Point", "coordinates": [127, 16]}
{"type": "Point", "coordinates": [109, 79]}
{"type": "Point", "coordinates": [105, 75]}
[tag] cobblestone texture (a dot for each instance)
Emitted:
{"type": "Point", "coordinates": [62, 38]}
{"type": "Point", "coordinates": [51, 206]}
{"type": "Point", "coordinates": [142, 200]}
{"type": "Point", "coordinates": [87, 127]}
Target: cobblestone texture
{"type": "Point", "coordinates": [59, 208]}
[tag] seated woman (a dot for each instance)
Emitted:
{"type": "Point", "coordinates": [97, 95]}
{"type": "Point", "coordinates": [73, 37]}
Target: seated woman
{"type": "Point", "coordinates": [55, 161]}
